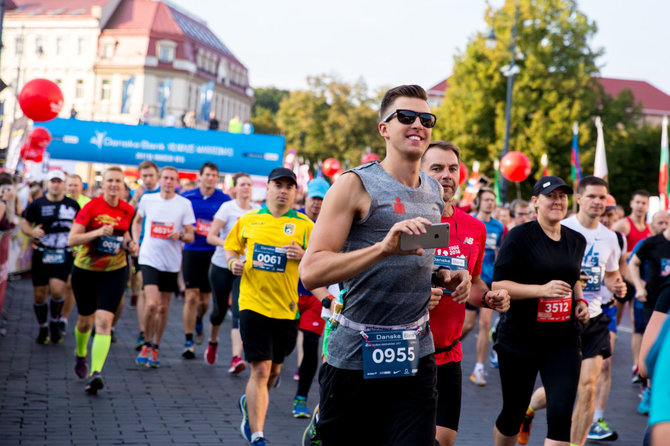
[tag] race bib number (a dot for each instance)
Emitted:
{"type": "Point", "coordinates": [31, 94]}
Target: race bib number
{"type": "Point", "coordinates": [554, 310]}
{"type": "Point", "coordinates": [202, 226]}
{"type": "Point", "coordinates": [160, 229]}
{"type": "Point", "coordinates": [492, 240]}
{"type": "Point", "coordinates": [665, 267]}
{"type": "Point", "coordinates": [451, 263]}
{"type": "Point", "coordinates": [595, 278]}
{"type": "Point", "coordinates": [269, 258]}
{"type": "Point", "coordinates": [390, 354]}
{"type": "Point", "coordinates": [110, 244]}
{"type": "Point", "coordinates": [53, 256]}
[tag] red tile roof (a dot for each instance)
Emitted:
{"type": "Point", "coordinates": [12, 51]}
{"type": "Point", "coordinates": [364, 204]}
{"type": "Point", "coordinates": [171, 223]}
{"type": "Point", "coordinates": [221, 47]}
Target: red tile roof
{"type": "Point", "coordinates": [50, 7]}
{"type": "Point", "coordinates": [654, 101]}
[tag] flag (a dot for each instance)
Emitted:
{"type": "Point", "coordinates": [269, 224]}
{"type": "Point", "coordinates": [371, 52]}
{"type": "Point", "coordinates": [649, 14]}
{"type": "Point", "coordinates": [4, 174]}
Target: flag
{"type": "Point", "coordinates": [206, 95]}
{"type": "Point", "coordinates": [496, 180]}
{"type": "Point", "coordinates": [164, 90]}
{"type": "Point", "coordinates": [600, 163]}
{"type": "Point", "coordinates": [472, 185]}
{"type": "Point", "coordinates": [575, 167]}
{"type": "Point", "coordinates": [127, 93]}
{"type": "Point", "coordinates": [663, 184]}
{"type": "Point", "coordinates": [544, 161]}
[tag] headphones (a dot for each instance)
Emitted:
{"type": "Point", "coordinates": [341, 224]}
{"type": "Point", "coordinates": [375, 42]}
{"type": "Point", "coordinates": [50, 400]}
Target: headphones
{"type": "Point", "coordinates": [478, 198]}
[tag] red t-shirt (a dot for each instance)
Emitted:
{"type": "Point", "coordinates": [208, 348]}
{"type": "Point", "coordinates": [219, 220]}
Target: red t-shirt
{"type": "Point", "coordinates": [103, 253]}
{"type": "Point", "coordinates": [467, 239]}
{"type": "Point", "coordinates": [635, 235]}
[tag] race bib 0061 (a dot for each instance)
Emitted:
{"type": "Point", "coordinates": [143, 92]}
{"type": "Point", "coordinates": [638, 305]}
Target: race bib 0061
{"type": "Point", "coordinates": [269, 258]}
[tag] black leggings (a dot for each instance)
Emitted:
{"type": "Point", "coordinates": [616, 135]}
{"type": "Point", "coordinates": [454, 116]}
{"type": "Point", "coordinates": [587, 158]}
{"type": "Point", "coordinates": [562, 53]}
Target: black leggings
{"type": "Point", "coordinates": [221, 280]}
{"type": "Point", "coordinates": [559, 371]}
{"type": "Point", "coordinates": [310, 362]}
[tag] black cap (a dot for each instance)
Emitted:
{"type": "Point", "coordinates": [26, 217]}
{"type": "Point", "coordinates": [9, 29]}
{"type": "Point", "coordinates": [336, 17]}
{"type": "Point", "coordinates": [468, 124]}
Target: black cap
{"type": "Point", "coordinates": [546, 185]}
{"type": "Point", "coordinates": [282, 172]}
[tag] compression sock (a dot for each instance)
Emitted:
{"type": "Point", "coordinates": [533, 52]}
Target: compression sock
{"type": "Point", "coordinates": [82, 341]}
{"type": "Point", "coordinates": [99, 351]}
{"type": "Point", "coordinates": [479, 367]}
{"type": "Point", "coordinates": [41, 312]}
{"type": "Point", "coordinates": [598, 414]}
{"type": "Point", "coordinates": [56, 308]}
{"type": "Point", "coordinates": [256, 435]}
{"type": "Point", "coordinates": [189, 337]}
{"type": "Point", "coordinates": [530, 412]}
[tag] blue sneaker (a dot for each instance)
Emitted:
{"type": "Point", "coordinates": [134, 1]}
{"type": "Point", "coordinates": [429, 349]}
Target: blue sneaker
{"type": "Point", "coordinates": [189, 350]}
{"type": "Point", "coordinates": [300, 409]}
{"type": "Point", "coordinates": [244, 426]}
{"type": "Point", "coordinates": [199, 333]}
{"type": "Point", "coordinates": [493, 358]}
{"type": "Point", "coordinates": [260, 441]}
{"type": "Point", "coordinates": [643, 407]}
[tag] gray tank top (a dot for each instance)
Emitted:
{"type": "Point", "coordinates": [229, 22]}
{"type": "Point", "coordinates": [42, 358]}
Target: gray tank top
{"type": "Point", "coordinates": [396, 290]}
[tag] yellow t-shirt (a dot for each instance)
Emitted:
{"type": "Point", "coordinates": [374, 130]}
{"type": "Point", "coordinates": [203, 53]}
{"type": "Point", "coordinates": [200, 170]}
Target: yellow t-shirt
{"type": "Point", "coordinates": [269, 284]}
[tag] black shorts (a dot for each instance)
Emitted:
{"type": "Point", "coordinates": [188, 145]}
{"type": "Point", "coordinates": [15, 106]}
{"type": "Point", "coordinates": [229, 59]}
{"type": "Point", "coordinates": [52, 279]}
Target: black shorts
{"type": "Point", "coordinates": [449, 387]}
{"type": "Point", "coordinates": [469, 306]}
{"type": "Point", "coordinates": [595, 336]}
{"type": "Point", "coordinates": [98, 290]}
{"type": "Point", "coordinates": [388, 411]}
{"type": "Point", "coordinates": [167, 282]}
{"type": "Point", "coordinates": [265, 338]}
{"type": "Point", "coordinates": [42, 272]}
{"type": "Point", "coordinates": [194, 269]}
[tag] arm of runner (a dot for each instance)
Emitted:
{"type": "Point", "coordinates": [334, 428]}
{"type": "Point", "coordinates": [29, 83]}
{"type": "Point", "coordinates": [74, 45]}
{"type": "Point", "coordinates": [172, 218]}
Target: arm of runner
{"type": "Point", "coordinates": [436, 294]}
{"type": "Point", "coordinates": [188, 235]}
{"type": "Point", "coordinates": [614, 282]}
{"type": "Point", "coordinates": [346, 201]}
{"type": "Point", "coordinates": [235, 264]}
{"type": "Point", "coordinates": [28, 229]}
{"type": "Point", "coordinates": [520, 291]}
{"type": "Point", "coordinates": [213, 234]}
{"type": "Point", "coordinates": [294, 252]}
{"type": "Point", "coordinates": [79, 236]}
{"type": "Point", "coordinates": [480, 294]}
{"type": "Point", "coordinates": [634, 273]}
{"type": "Point", "coordinates": [654, 326]}
{"type": "Point", "coordinates": [458, 282]}
{"type": "Point", "coordinates": [130, 245]}
{"type": "Point", "coordinates": [622, 226]}
{"type": "Point", "coordinates": [139, 190]}
{"type": "Point", "coordinates": [136, 227]}
{"type": "Point", "coordinates": [582, 309]}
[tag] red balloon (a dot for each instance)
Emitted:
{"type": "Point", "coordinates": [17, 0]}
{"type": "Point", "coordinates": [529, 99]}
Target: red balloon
{"type": "Point", "coordinates": [462, 174]}
{"type": "Point", "coordinates": [515, 166]}
{"type": "Point", "coordinates": [41, 100]}
{"type": "Point", "coordinates": [369, 157]}
{"type": "Point", "coordinates": [337, 174]}
{"type": "Point", "coordinates": [40, 137]}
{"type": "Point", "coordinates": [330, 166]}
{"type": "Point", "coordinates": [31, 153]}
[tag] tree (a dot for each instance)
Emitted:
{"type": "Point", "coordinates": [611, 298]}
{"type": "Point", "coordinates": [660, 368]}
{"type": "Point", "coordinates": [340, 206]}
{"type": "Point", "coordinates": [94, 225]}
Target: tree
{"type": "Point", "coordinates": [264, 110]}
{"type": "Point", "coordinates": [330, 119]}
{"type": "Point", "coordinates": [554, 88]}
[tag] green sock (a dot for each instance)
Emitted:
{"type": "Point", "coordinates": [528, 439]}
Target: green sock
{"type": "Point", "coordinates": [82, 341]}
{"type": "Point", "coordinates": [99, 351]}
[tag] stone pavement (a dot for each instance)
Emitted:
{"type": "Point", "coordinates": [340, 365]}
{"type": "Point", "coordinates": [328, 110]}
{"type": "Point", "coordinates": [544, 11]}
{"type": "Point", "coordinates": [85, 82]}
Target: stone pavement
{"type": "Point", "coordinates": [191, 403]}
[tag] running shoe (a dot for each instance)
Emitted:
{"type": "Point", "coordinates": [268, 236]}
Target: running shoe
{"type": "Point", "coordinates": [643, 407]}
{"type": "Point", "coordinates": [153, 359]}
{"type": "Point", "coordinates": [310, 437]}
{"type": "Point", "coordinates": [80, 366]}
{"type": "Point", "coordinates": [493, 359]}
{"type": "Point", "coordinates": [199, 333]}
{"type": "Point", "coordinates": [143, 357]}
{"type": "Point", "coordinates": [296, 375]}
{"type": "Point", "coordinates": [43, 337]}
{"type": "Point", "coordinates": [600, 430]}
{"type": "Point", "coordinates": [237, 365]}
{"type": "Point", "coordinates": [244, 426]}
{"type": "Point", "coordinates": [277, 382]}
{"type": "Point", "coordinates": [260, 441]}
{"type": "Point", "coordinates": [300, 409]}
{"type": "Point", "coordinates": [189, 350]}
{"type": "Point", "coordinates": [210, 353]}
{"type": "Point", "coordinates": [95, 383]}
{"type": "Point", "coordinates": [637, 379]}
{"type": "Point", "coordinates": [140, 342]}
{"type": "Point", "coordinates": [56, 337]}
{"type": "Point", "coordinates": [478, 378]}
{"type": "Point", "coordinates": [524, 432]}
{"type": "Point", "coordinates": [62, 326]}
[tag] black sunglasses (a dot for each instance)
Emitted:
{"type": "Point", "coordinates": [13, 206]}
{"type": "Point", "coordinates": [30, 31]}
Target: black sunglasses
{"type": "Point", "coordinates": [408, 117]}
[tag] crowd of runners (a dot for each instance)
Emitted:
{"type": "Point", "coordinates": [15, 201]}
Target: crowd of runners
{"type": "Point", "coordinates": [324, 271]}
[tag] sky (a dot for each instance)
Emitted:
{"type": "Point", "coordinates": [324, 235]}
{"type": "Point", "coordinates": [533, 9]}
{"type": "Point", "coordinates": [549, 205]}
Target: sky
{"type": "Point", "coordinates": [392, 42]}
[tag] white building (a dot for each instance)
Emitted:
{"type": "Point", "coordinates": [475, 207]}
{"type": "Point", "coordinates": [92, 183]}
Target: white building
{"type": "Point", "coordinates": [95, 49]}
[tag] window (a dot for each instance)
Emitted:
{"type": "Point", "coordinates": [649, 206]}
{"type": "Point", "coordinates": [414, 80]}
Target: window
{"type": "Point", "coordinates": [18, 46]}
{"type": "Point", "coordinates": [106, 91]}
{"type": "Point", "coordinates": [107, 50]}
{"type": "Point", "coordinates": [39, 45]}
{"type": "Point", "coordinates": [79, 89]}
{"type": "Point", "coordinates": [165, 54]}
{"type": "Point", "coordinates": [60, 46]}
{"type": "Point", "coordinates": [81, 46]}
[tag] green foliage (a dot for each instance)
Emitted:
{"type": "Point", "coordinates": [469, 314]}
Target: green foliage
{"type": "Point", "coordinates": [264, 110]}
{"type": "Point", "coordinates": [554, 88]}
{"type": "Point", "coordinates": [330, 119]}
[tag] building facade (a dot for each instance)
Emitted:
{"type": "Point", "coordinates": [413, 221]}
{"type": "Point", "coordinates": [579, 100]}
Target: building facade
{"type": "Point", "coordinates": [125, 61]}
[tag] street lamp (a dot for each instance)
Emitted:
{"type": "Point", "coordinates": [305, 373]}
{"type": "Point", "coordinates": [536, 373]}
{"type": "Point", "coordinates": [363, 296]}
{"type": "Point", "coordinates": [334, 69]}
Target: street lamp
{"type": "Point", "coordinates": [509, 71]}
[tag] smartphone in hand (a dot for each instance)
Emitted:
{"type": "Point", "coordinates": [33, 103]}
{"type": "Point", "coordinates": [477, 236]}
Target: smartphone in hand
{"type": "Point", "coordinates": [436, 236]}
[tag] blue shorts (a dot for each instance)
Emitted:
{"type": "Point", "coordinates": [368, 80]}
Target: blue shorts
{"type": "Point", "coordinates": [611, 312]}
{"type": "Point", "coordinates": [639, 316]}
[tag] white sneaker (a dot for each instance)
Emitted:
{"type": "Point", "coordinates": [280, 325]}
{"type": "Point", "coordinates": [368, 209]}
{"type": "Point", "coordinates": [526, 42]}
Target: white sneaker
{"type": "Point", "coordinates": [478, 378]}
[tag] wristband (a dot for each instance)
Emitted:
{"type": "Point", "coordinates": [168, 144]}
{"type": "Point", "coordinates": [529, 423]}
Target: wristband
{"type": "Point", "coordinates": [585, 301]}
{"type": "Point", "coordinates": [484, 304]}
{"type": "Point", "coordinates": [230, 262]}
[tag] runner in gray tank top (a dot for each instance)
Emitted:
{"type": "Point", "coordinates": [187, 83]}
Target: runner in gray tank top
{"type": "Point", "coordinates": [378, 384]}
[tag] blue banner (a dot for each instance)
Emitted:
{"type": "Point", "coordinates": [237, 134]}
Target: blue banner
{"type": "Point", "coordinates": [183, 148]}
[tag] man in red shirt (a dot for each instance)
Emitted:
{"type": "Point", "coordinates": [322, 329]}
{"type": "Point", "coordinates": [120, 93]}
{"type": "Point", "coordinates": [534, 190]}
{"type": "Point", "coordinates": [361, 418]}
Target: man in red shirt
{"type": "Point", "coordinates": [467, 240]}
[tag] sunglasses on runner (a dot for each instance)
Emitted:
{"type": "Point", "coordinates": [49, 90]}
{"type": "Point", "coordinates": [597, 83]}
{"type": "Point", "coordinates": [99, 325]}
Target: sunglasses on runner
{"type": "Point", "coordinates": [408, 117]}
